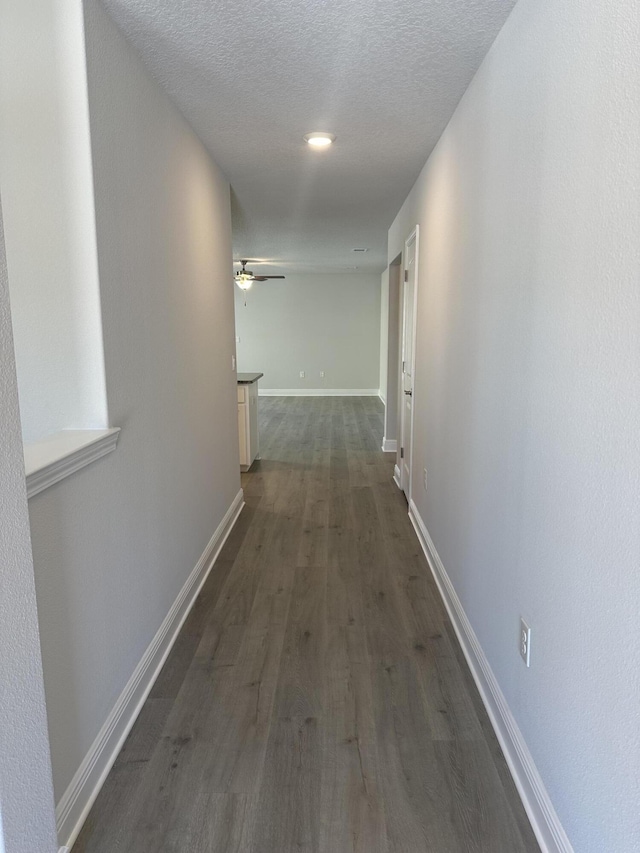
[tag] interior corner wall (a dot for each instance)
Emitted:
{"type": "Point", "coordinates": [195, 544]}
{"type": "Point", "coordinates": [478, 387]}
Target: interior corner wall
{"type": "Point", "coordinates": [27, 822]}
{"type": "Point", "coordinates": [47, 189]}
{"type": "Point", "coordinates": [312, 323]}
{"type": "Point", "coordinates": [527, 408]}
{"type": "Point", "coordinates": [115, 543]}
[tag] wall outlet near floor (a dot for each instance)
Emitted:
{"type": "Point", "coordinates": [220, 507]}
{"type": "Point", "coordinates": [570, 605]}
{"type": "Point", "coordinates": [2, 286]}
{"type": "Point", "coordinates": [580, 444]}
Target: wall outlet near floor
{"type": "Point", "coordinates": [302, 374]}
{"type": "Point", "coordinates": [322, 374]}
{"type": "Point", "coordinates": [525, 642]}
{"type": "Point", "coordinates": [424, 478]}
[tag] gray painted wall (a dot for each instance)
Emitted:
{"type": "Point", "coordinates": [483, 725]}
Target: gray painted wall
{"type": "Point", "coordinates": [527, 378]}
{"type": "Point", "coordinates": [115, 543]}
{"type": "Point", "coordinates": [312, 323]}
{"type": "Point", "coordinates": [27, 822]}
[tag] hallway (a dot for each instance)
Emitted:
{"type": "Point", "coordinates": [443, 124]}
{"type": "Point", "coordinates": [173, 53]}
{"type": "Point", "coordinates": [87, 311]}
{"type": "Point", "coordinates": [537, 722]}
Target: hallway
{"type": "Point", "coordinates": [316, 699]}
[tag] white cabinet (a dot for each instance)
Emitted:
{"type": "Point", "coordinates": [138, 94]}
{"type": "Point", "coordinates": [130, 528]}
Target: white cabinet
{"type": "Point", "coordinates": [248, 424]}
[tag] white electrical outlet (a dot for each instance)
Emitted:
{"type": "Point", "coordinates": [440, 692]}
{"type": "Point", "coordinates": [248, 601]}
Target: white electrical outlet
{"type": "Point", "coordinates": [525, 642]}
{"type": "Point", "coordinates": [302, 374]}
{"type": "Point", "coordinates": [322, 374]}
{"type": "Point", "coordinates": [424, 478]}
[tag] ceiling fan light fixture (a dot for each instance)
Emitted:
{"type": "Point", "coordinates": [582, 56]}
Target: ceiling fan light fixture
{"type": "Point", "coordinates": [244, 278]}
{"type": "Point", "coordinates": [319, 139]}
{"type": "Point", "coordinates": [243, 281]}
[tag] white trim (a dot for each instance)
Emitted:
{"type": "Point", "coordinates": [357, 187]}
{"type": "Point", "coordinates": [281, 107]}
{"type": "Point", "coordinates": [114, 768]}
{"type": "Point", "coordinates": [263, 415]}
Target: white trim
{"type": "Point", "coordinates": [382, 397]}
{"type": "Point", "coordinates": [75, 803]}
{"type": "Point", "coordinates": [318, 392]}
{"type": "Point", "coordinates": [51, 460]}
{"type": "Point", "coordinates": [389, 445]}
{"type": "Point", "coordinates": [396, 477]}
{"type": "Point", "coordinates": [64, 850]}
{"type": "Point", "coordinates": [535, 798]}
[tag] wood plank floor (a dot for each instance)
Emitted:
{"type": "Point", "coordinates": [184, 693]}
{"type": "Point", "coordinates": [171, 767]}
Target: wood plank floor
{"type": "Point", "coordinates": [316, 699]}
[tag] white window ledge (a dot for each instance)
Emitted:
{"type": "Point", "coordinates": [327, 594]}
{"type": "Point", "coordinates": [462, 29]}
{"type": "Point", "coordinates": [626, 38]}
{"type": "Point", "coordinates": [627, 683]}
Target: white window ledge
{"type": "Point", "coordinates": [48, 461]}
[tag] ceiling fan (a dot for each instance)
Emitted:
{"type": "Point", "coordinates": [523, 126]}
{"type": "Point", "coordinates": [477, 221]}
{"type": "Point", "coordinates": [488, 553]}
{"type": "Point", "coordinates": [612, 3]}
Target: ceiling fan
{"type": "Point", "coordinates": [244, 278]}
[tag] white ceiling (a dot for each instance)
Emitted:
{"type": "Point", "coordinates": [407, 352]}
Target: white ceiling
{"type": "Point", "coordinates": [253, 76]}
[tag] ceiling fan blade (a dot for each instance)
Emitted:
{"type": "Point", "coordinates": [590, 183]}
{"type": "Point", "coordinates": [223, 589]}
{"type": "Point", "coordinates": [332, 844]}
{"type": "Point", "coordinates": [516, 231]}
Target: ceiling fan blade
{"type": "Point", "coordinates": [265, 277]}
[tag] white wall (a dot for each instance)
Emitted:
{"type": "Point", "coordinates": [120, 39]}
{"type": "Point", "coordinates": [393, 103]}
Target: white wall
{"type": "Point", "coordinates": [312, 323]}
{"type": "Point", "coordinates": [114, 543]}
{"type": "Point", "coordinates": [526, 395]}
{"type": "Point", "coordinates": [27, 822]}
{"type": "Point", "coordinates": [45, 173]}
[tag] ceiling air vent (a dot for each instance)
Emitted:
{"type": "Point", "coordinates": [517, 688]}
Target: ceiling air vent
{"type": "Point", "coordinates": [360, 250]}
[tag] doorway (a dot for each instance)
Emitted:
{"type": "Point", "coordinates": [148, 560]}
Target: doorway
{"type": "Point", "coordinates": [391, 355]}
{"type": "Point", "coordinates": [408, 360]}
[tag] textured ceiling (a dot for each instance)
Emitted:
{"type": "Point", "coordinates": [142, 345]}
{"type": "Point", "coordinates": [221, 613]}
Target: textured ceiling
{"type": "Point", "coordinates": [253, 76]}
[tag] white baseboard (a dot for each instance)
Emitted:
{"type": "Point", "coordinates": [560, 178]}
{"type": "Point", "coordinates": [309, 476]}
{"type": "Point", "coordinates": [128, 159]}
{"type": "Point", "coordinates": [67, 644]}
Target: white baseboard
{"type": "Point", "coordinates": [389, 445]}
{"type": "Point", "coordinates": [318, 392]}
{"type": "Point", "coordinates": [396, 476]}
{"type": "Point", "coordinates": [382, 397]}
{"type": "Point", "coordinates": [75, 803]}
{"type": "Point", "coordinates": [544, 819]}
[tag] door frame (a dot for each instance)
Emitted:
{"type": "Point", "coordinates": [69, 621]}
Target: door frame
{"type": "Point", "coordinates": [414, 237]}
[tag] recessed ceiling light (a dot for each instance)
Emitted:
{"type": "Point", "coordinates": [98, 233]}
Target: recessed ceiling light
{"type": "Point", "coordinates": [319, 139]}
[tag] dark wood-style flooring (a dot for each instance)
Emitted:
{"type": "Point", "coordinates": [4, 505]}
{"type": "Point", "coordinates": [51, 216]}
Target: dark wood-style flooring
{"type": "Point", "coordinates": [316, 699]}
